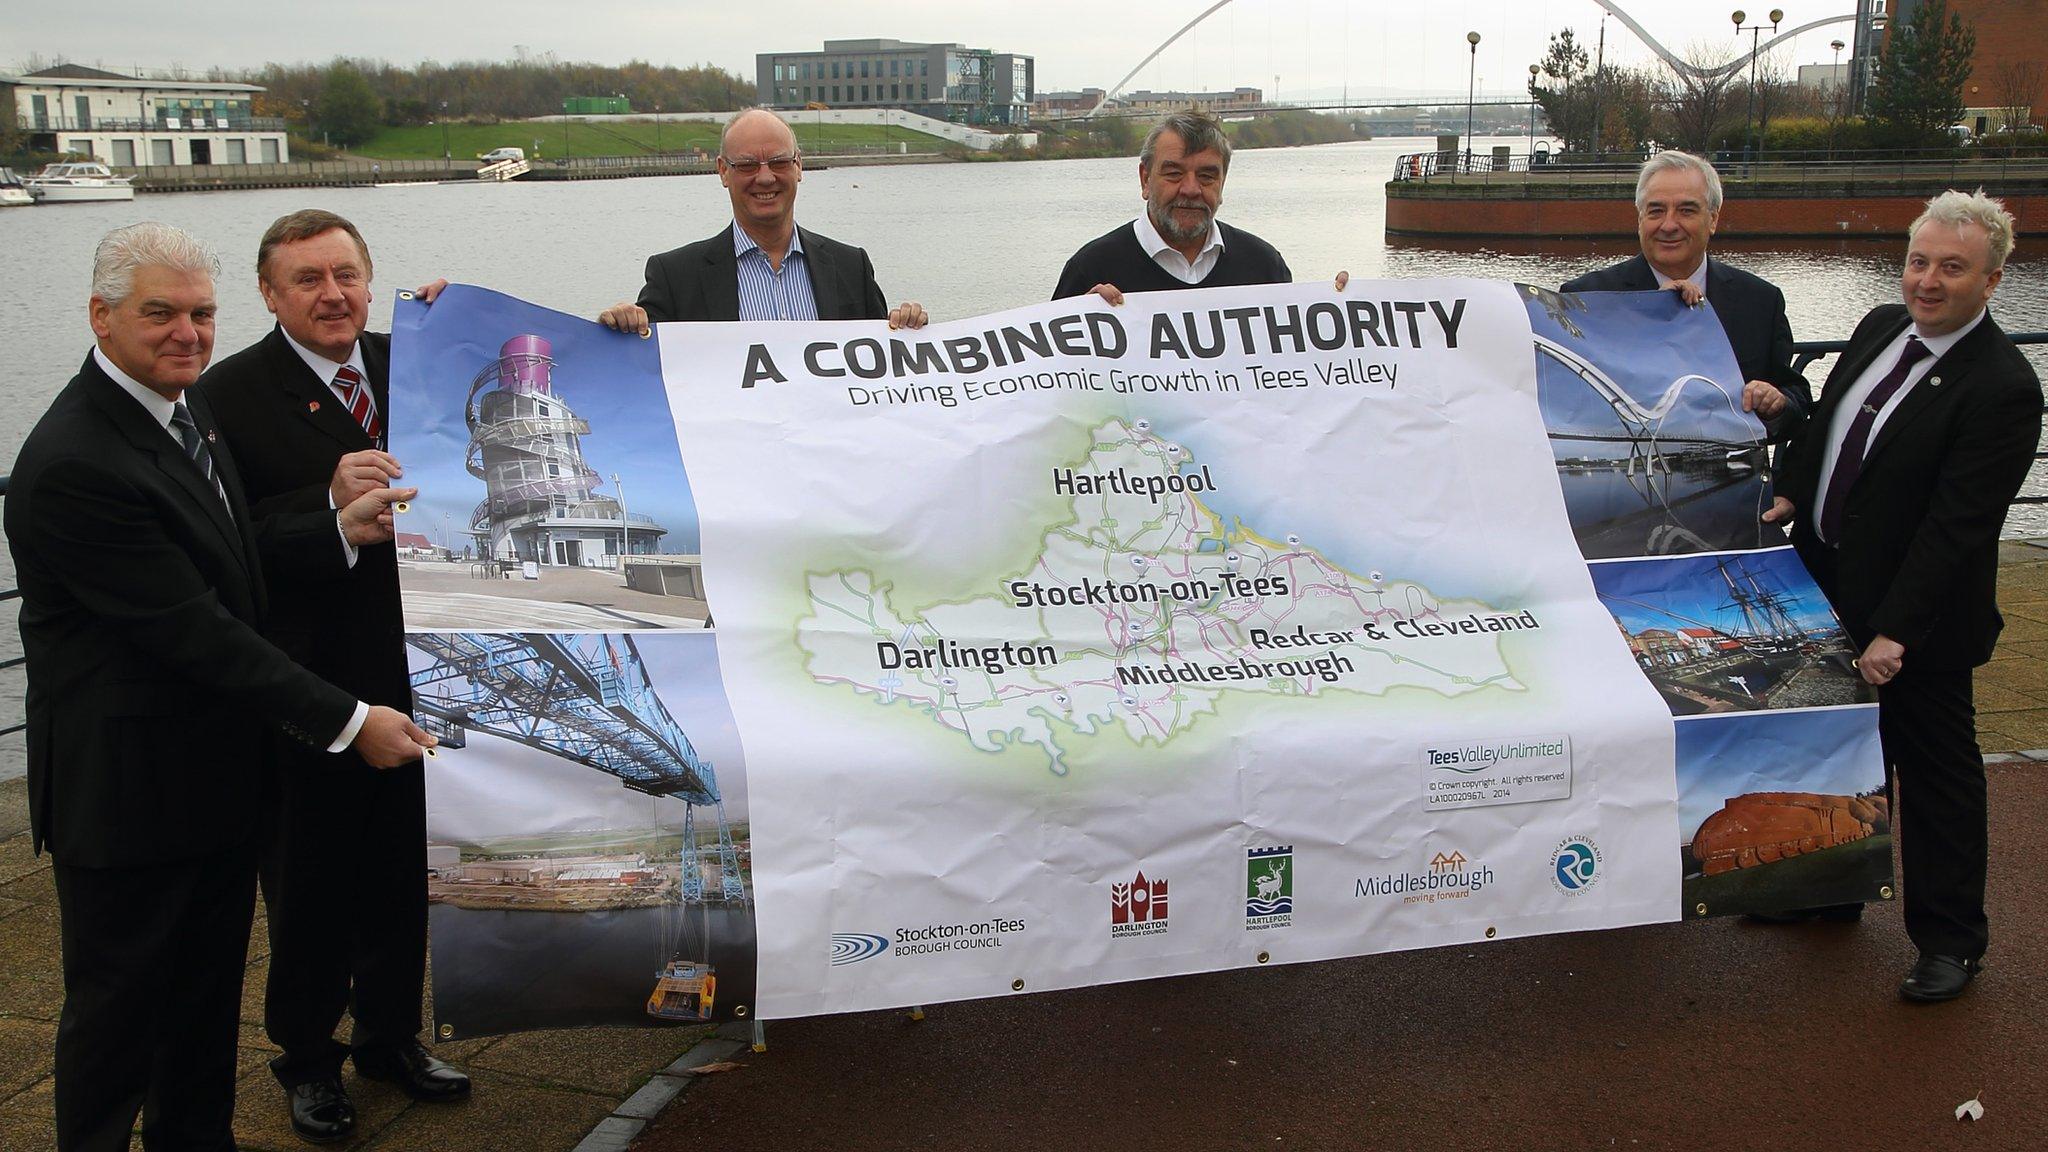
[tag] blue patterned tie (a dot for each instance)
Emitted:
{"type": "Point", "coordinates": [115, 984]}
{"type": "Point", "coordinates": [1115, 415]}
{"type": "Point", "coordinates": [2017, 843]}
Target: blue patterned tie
{"type": "Point", "coordinates": [195, 447]}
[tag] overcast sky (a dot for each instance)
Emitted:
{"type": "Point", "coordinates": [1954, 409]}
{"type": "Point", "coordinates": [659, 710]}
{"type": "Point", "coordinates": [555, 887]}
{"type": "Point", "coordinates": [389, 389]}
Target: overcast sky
{"type": "Point", "coordinates": [1311, 45]}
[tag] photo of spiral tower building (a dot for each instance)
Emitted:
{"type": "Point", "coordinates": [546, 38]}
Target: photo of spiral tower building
{"type": "Point", "coordinates": [540, 511]}
{"type": "Point", "coordinates": [526, 445]}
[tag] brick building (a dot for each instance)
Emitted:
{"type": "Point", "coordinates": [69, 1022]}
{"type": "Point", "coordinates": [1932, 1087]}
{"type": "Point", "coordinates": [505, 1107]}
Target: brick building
{"type": "Point", "coordinates": [2010, 68]}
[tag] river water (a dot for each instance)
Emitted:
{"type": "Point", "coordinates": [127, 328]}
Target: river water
{"type": "Point", "coordinates": [963, 239]}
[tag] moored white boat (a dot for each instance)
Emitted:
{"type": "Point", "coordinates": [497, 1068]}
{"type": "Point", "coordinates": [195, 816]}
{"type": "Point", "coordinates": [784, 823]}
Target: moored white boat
{"type": "Point", "coordinates": [12, 192]}
{"type": "Point", "coordinates": [79, 181]}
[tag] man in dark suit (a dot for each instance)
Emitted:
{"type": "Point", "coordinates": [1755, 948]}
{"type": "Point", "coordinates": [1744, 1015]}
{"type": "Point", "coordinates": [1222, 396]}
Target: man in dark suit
{"type": "Point", "coordinates": [1897, 486]}
{"type": "Point", "coordinates": [149, 687]}
{"type": "Point", "coordinates": [763, 267]}
{"type": "Point", "coordinates": [1678, 206]}
{"type": "Point", "coordinates": [345, 872]}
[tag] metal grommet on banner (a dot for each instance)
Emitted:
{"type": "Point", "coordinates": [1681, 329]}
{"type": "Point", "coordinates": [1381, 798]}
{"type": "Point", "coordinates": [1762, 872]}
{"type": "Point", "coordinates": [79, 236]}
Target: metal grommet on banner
{"type": "Point", "coordinates": [1700, 908]}
{"type": "Point", "coordinates": [401, 506]}
{"type": "Point", "coordinates": [1489, 932]}
{"type": "Point", "coordinates": [1265, 956]}
{"type": "Point", "coordinates": [1885, 891]}
{"type": "Point", "coordinates": [431, 753]}
{"type": "Point", "coordinates": [1016, 985]}
{"type": "Point", "coordinates": [647, 333]}
{"type": "Point", "coordinates": [445, 1031]}
{"type": "Point", "coordinates": [739, 1011]}
{"type": "Point", "coordinates": [405, 294]}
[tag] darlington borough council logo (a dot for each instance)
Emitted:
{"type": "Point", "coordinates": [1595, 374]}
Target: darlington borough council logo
{"type": "Point", "coordinates": [1575, 865]}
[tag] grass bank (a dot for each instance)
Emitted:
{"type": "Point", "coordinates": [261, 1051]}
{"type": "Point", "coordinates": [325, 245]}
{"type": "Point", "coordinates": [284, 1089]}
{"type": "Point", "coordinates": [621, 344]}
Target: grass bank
{"type": "Point", "coordinates": [555, 138]}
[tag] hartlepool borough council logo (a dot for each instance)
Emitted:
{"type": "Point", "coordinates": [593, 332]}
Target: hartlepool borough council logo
{"type": "Point", "coordinates": [1575, 866]}
{"type": "Point", "coordinates": [1268, 887]}
{"type": "Point", "coordinates": [1137, 908]}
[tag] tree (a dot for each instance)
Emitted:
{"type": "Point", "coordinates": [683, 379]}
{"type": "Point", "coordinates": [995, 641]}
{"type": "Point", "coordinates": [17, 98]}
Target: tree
{"type": "Point", "coordinates": [1700, 106]}
{"type": "Point", "coordinates": [1567, 106]}
{"type": "Point", "coordinates": [1920, 76]}
{"type": "Point", "coordinates": [349, 110]}
{"type": "Point", "coordinates": [2016, 85]}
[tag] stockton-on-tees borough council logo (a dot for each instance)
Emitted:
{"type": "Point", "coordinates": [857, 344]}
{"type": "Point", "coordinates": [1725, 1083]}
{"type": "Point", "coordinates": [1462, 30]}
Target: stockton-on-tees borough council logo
{"type": "Point", "coordinates": [1575, 865]}
{"type": "Point", "coordinates": [1137, 908]}
{"type": "Point", "coordinates": [1268, 887]}
{"type": "Point", "coordinates": [854, 947]}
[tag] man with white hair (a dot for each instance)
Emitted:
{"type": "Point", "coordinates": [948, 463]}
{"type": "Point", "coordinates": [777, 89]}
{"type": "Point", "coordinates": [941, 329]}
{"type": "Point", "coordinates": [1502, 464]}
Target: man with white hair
{"type": "Point", "coordinates": [1896, 487]}
{"type": "Point", "coordinates": [1678, 207]}
{"type": "Point", "coordinates": [142, 595]}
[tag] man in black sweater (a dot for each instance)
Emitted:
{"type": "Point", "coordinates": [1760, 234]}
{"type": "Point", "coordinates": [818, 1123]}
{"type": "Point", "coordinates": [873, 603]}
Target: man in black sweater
{"type": "Point", "coordinates": [1176, 242]}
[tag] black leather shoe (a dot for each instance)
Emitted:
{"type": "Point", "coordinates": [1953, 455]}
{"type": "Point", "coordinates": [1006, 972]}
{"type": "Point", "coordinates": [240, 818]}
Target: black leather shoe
{"type": "Point", "coordinates": [1827, 914]}
{"type": "Point", "coordinates": [1938, 978]}
{"type": "Point", "coordinates": [321, 1111]}
{"type": "Point", "coordinates": [408, 1066]}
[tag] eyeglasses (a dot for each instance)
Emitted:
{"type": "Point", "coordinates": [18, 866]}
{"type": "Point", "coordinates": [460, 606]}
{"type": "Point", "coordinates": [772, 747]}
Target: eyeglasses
{"type": "Point", "coordinates": [780, 165]}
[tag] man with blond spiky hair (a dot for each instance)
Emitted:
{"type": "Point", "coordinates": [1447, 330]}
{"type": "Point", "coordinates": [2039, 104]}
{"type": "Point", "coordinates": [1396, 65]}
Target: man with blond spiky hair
{"type": "Point", "coordinates": [1896, 488]}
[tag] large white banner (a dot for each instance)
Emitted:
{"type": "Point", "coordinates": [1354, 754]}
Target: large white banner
{"type": "Point", "coordinates": [1222, 628]}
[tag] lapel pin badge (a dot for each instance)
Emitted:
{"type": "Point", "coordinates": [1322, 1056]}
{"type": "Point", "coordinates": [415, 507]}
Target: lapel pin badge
{"type": "Point", "coordinates": [212, 437]}
{"type": "Point", "coordinates": [312, 405]}
{"type": "Point", "coordinates": [1934, 381]}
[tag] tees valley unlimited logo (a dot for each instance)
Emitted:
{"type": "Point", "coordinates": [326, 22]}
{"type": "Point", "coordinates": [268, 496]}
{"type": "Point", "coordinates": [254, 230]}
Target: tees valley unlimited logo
{"type": "Point", "coordinates": [1137, 908]}
{"type": "Point", "coordinates": [1268, 888]}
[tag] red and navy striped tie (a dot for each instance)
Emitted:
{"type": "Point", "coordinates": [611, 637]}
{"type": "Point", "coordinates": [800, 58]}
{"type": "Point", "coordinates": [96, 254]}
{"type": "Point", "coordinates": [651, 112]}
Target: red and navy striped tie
{"type": "Point", "coordinates": [355, 392]}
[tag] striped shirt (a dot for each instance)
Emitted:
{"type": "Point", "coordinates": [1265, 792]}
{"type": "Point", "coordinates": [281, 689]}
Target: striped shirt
{"type": "Point", "coordinates": [768, 294]}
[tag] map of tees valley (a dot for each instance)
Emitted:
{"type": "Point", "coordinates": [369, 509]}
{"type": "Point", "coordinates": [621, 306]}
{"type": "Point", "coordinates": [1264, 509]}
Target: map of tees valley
{"type": "Point", "coordinates": [1142, 610]}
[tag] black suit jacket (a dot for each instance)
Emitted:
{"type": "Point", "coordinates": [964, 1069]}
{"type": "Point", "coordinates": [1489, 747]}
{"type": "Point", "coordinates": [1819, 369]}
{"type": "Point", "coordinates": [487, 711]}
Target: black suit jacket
{"type": "Point", "coordinates": [1918, 557]}
{"type": "Point", "coordinates": [701, 281]}
{"type": "Point", "coordinates": [1752, 313]}
{"type": "Point", "coordinates": [142, 595]}
{"type": "Point", "coordinates": [287, 432]}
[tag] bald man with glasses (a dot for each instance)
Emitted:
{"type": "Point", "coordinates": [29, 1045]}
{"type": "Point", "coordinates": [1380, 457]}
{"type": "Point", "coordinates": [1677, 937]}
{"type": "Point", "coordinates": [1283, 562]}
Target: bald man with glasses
{"type": "Point", "coordinates": [763, 267]}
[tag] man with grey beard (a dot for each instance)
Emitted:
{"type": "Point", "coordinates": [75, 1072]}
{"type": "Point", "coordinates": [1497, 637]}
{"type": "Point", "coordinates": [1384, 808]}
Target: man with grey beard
{"type": "Point", "coordinates": [1176, 242]}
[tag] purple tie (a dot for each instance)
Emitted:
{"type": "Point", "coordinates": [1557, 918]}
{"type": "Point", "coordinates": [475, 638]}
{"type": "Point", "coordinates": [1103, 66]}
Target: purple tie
{"type": "Point", "coordinates": [1849, 464]}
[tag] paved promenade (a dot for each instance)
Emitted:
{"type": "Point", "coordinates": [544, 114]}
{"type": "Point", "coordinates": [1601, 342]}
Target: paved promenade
{"type": "Point", "coordinates": [1719, 1034]}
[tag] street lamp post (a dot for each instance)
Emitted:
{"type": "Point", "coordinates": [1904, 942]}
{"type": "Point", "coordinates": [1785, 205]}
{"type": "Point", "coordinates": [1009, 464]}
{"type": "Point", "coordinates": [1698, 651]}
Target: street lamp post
{"type": "Point", "coordinates": [446, 155]}
{"type": "Point", "coordinates": [1471, 79]}
{"type": "Point", "coordinates": [625, 524]}
{"type": "Point", "coordinates": [657, 128]}
{"type": "Point", "coordinates": [1835, 98]}
{"type": "Point", "coordinates": [1534, 71]}
{"type": "Point", "coordinates": [1755, 31]}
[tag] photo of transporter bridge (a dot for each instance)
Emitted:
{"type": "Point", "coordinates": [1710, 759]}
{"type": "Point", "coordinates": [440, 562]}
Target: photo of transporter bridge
{"type": "Point", "coordinates": [589, 701]}
{"type": "Point", "coordinates": [1732, 633]}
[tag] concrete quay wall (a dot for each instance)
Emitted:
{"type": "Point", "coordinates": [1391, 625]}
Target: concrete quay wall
{"type": "Point", "coordinates": [1487, 206]}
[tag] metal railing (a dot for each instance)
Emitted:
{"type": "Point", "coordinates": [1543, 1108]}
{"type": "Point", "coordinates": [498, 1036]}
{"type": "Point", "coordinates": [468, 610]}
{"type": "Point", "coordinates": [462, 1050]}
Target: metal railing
{"type": "Point", "coordinates": [1805, 354]}
{"type": "Point", "coordinates": [1805, 167]}
{"type": "Point", "coordinates": [195, 123]}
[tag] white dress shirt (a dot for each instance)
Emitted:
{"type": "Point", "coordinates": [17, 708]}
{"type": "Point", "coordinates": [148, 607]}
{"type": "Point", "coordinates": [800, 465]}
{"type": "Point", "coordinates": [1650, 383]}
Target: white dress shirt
{"type": "Point", "coordinates": [1881, 365]}
{"type": "Point", "coordinates": [1168, 257]}
{"type": "Point", "coordinates": [1698, 279]}
{"type": "Point", "coordinates": [160, 410]}
{"type": "Point", "coordinates": [327, 369]}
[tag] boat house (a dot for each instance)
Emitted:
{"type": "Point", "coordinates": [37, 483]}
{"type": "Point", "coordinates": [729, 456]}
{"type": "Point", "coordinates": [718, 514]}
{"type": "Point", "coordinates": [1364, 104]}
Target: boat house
{"type": "Point", "coordinates": [132, 122]}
